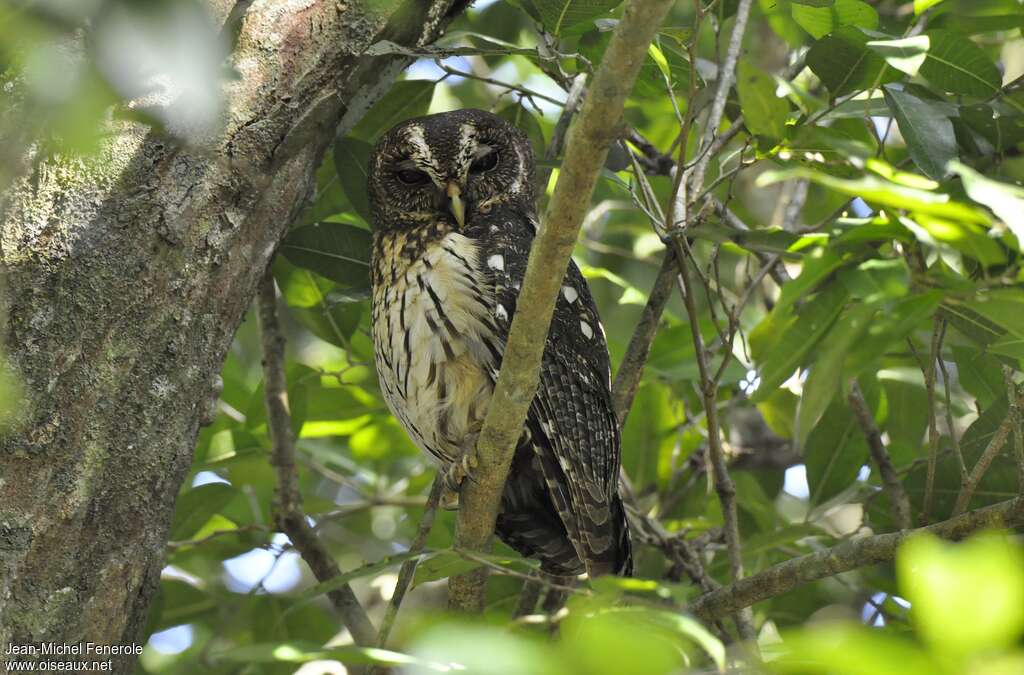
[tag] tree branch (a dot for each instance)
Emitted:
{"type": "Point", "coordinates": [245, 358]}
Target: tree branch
{"type": "Point", "coordinates": [631, 369]}
{"type": "Point", "coordinates": [288, 502]}
{"type": "Point", "coordinates": [890, 480]}
{"type": "Point", "coordinates": [994, 447]}
{"type": "Point", "coordinates": [597, 126]}
{"type": "Point", "coordinates": [849, 555]}
{"type": "Point", "coordinates": [408, 569]}
{"type": "Point", "coordinates": [726, 76]}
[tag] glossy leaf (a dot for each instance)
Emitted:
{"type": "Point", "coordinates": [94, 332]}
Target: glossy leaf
{"type": "Point", "coordinates": [927, 131]}
{"type": "Point", "coordinates": [845, 64]}
{"type": "Point", "coordinates": [764, 113]}
{"type": "Point", "coordinates": [337, 251]}
{"type": "Point", "coordinates": [821, 18]}
{"type": "Point", "coordinates": [957, 65]}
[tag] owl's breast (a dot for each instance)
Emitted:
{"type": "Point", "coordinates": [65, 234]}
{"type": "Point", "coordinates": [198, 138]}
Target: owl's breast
{"type": "Point", "coordinates": [435, 340]}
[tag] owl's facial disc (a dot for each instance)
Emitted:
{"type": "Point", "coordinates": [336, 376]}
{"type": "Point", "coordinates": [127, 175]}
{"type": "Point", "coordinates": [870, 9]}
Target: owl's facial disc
{"type": "Point", "coordinates": [450, 166]}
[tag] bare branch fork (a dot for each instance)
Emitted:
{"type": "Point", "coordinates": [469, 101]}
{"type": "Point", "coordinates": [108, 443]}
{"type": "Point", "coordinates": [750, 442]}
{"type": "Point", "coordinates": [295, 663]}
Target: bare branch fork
{"type": "Point", "coordinates": [596, 128]}
{"type": "Point", "coordinates": [288, 503]}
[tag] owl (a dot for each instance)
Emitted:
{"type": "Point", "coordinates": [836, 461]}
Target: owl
{"type": "Point", "coordinates": [452, 199]}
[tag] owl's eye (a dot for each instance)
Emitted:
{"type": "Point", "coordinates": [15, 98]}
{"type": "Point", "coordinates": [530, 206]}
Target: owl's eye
{"type": "Point", "coordinates": [484, 163]}
{"type": "Point", "coordinates": [411, 177]}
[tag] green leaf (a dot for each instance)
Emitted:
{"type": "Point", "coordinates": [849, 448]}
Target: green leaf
{"type": "Point", "coordinates": [659, 60]}
{"type": "Point", "coordinates": [334, 583]}
{"type": "Point", "coordinates": [835, 451]}
{"type": "Point", "coordinates": [764, 113]}
{"type": "Point", "coordinates": [351, 160]}
{"type": "Point", "coordinates": [1004, 308]}
{"type": "Point", "coordinates": [557, 15]}
{"type": "Point", "coordinates": [329, 198]}
{"type": "Point", "coordinates": [779, 412]}
{"type": "Point", "coordinates": [998, 125]}
{"type": "Point", "coordinates": [297, 651]}
{"type": "Point", "coordinates": [1005, 200]}
{"type": "Point", "coordinates": [972, 325]}
{"type": "Point", "coordinates": [875, 190]}
{"type": "Point", "coordinates": [441, 565]}
{"type": "Point", "coordinates": [845, 64]}
{"type": "Point", "coordinates": [517, 114]}
{"type": "Point", "coordinates": [877, 280]}
{"type": "Point", "coordinates": [957, 65]}
{"type": "Point", "coordinates": [891, 327]}
{"type": "Point", "coordinates": [964, 237]}
{"type": "Point", "coordinates": [405, 99]}
{"type": "Point", "coordinates": [819, 18]}
{"type": "Point", "coordinates": [941, 581]}
{"type": "Point", "coordinates": [928, 133]}
{"type": "Point", "coordinates": [197, 505]}
{"type": "Point", "coordinates": [338, 251]}
{"type": "Point", "coordinates": [650, 430]}
{"type": "Point", "coordinates": [980, 374]}
{"type": "Point", "coordinates": [332, 323]}
{"type": "Point", "coordinates": [795, 337]}
{"type": "Point", "coordinates": [825, 379]}
{"type": "Point", "coordinates": [816, 267]}
{"type": "Point", "coordinates": [908, 416]}
{"type": "Point", "coordinates": [905, 54]}
{"type": "Point", "coordinates": [830, 142]}
{"type": "Point", "coordinates": [972, 17]}
{"type": "Point", "coordinates": [181, 603]}
{"type": "Point", "coordinates": [840, 648]}
{"type": "Point", "coordinates": [922, 6]}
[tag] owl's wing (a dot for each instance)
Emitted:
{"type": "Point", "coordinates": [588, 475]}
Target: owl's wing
{"type": "Point", "coordinates": [571, 423]}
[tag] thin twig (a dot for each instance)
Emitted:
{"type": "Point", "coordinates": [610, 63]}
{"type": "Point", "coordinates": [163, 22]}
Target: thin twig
{"type": "Point", "coordinates": [992, 450]}
{"type": "Point", "coordinates": [726, 77]}
{"type": "Point", "coordinates": [597, 126]}
{"type": "Point", "coordinates": [288, 501]}
{"type": "Point", "coordinates": [408, 569]}
{"type": "Point", "coordinates": [557, 144]}
{"type": "Point", "coordinates": [525, 91]}
{"type": "Point", "coordinates": [933, 430]}
{"type": "Point", "coordinates": [631, 369]}
{"type": "Point", "coordinates": [528, 597]}
{"type": "Point", "coordinates": [850, 555]}
{"type": "Point", "coordinates": [952, 427]}
{"type": "Point", "coordinates": [724, 486]}
{"type": "Point", "coordinates": [898, 498]}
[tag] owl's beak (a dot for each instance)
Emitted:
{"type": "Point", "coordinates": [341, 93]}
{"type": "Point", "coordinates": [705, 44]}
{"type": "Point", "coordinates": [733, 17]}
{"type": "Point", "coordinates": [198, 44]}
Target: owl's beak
{"type": "Point", "coordinates": [455, 203]}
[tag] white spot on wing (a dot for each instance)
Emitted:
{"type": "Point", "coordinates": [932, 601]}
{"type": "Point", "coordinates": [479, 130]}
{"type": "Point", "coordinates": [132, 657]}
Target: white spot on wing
{"type": "Point", "coordinates": [570, 293]}
{"type": "Point", "coordinates": [588, 332]}
{"type": "Point", "coordinates": [501, 313]}
{"type": "Point", "coordinates": [496, 262]}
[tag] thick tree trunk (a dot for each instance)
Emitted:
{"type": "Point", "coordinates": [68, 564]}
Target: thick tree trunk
{"type": "Point", "coordinates": [126, 278]}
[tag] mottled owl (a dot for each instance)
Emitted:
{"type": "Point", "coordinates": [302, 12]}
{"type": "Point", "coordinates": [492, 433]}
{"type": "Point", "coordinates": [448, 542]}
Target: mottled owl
{"type": "Point", "coordinates": [454, 213]}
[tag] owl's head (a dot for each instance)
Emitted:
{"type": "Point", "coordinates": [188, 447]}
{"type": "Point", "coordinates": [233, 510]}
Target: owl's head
{"type": "Point", "coordinates": [451, 166]}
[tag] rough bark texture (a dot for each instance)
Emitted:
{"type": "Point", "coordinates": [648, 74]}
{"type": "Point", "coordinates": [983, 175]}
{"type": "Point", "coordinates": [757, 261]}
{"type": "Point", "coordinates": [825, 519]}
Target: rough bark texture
{"type": "Point", "coordinates": [126, 278]}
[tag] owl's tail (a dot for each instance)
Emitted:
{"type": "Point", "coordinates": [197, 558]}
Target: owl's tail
{"type": "Point", "coordinates": [618, 558]}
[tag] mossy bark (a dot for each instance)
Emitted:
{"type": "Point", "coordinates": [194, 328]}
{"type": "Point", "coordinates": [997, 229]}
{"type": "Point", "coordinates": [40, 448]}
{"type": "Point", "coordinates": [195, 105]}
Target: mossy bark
{"type": "Point", "coordinates": [126, 276]}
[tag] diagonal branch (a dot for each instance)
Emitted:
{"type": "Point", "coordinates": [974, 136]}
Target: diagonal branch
{"type": "Point", "coordinates": [408, 569]}
{"type": "Point", "coordinates": [627, 377]}
{"type": "Point", "coordinates": [288, 502]}
{"type": "Point", "coordinates": [596, 128]}
{"type": "Point", "coordinates": [791, 574]}
{"type": "Point", "coordinates": [898, 499]}
{"type": "Point", "coordinates": [992, 450]}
